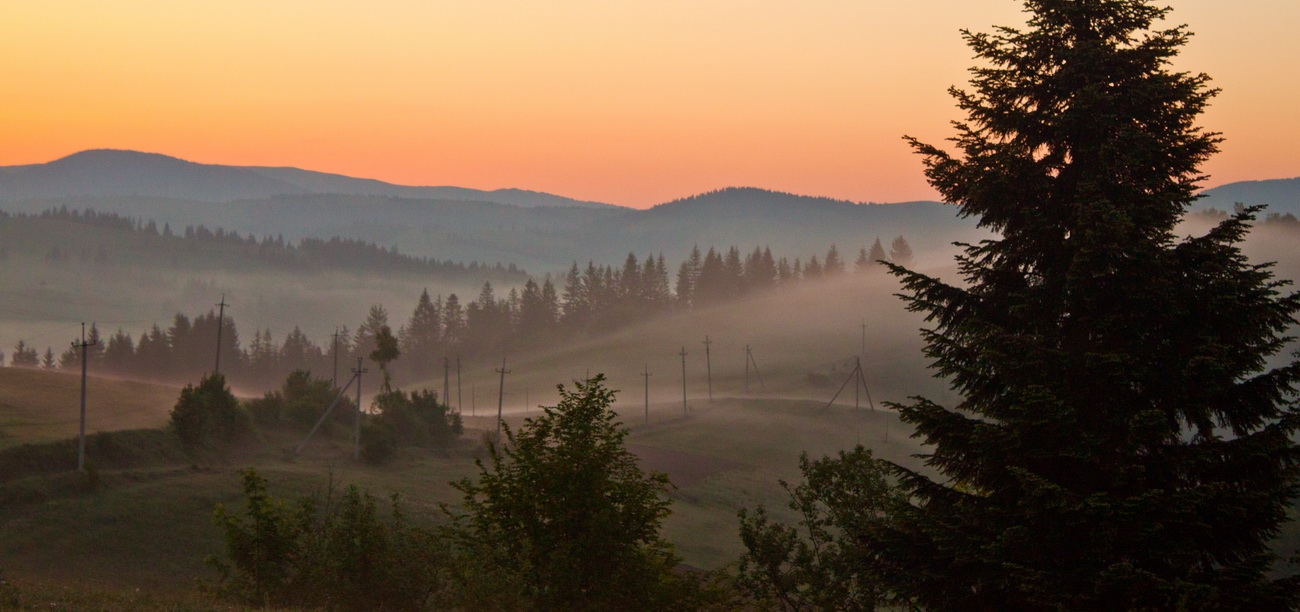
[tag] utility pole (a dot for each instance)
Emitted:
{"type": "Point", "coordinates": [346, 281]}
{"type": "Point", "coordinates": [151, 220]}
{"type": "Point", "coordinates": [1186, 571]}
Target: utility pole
{"type": "Point", "coordinates": [356, 438]}
{"type": "Point", "coordinates": [864, 338]}
{"type": "Point", "coordinates": [683, 354]}
{"type": "Point", "coordinates": [857, 369]}
{"type": "Point", "coordinates": [747, 356]}
{"type": "Point", "coordinates": [859, 380]}
{"type": "Point", "coordinates": [749, 360]}
{"type": "Point", "coordinates": [708, 367]}
{"type": "Point", "coordinates": [459, 404]}
{"type": "Point", "coordinates": [326, 414]}
{"type": "Point", "coordinates": [81, 435]}
{"type": "Point", "coordinates": [221, 322]}
{"type": "Point", "coordinates": [446, 380]}
{"type": "Point", "coordinates": [501, 394]}
{"type": "Point", "coordinates": [335, 379]}
{"type": "Point", "coordinates": [646, 375]}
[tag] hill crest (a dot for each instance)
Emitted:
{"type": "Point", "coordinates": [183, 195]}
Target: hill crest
{"type": "Point", "coordinates": [116, 172]}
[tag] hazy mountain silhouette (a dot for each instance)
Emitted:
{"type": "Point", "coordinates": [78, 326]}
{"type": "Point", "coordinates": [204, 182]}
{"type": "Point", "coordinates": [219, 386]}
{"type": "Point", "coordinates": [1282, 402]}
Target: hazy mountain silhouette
{"type": "Point", "coordinates": [537, 231]}
{"type": "Point", "coordinates": [101, 173]}
{"type": "Point", "coordinates": [1281, 195]}
{"type": "Point", "coordinates": [109, 173]}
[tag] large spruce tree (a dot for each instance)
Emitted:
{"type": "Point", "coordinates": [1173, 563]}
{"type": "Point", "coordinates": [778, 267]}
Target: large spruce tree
{"type": "Point", "coordinates": [1125, 435]}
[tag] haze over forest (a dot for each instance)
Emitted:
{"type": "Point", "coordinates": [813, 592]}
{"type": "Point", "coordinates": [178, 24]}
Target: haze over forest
{"type": "Point", "coordinates": [129, 240]}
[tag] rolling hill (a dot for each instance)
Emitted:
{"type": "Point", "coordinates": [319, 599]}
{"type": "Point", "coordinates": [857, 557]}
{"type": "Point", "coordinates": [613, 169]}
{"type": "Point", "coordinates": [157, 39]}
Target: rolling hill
{"type": "Point", "coordinates": [109, 173]}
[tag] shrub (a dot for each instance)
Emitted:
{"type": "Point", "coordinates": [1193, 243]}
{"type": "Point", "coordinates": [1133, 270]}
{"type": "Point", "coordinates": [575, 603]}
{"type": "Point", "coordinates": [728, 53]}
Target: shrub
{"type": "Point", "coordinates": [209, 414]}
{"type": "Point", "coordinates": [328, 550]}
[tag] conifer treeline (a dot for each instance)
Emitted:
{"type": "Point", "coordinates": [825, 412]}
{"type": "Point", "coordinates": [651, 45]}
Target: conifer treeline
{"type": "Point", "coordinates": [594, 299]}
{"type": "Point", "coordinates": [268, 251]}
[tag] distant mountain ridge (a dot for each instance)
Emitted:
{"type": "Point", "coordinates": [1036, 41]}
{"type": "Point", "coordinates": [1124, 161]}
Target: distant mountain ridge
{"type": "Point", "coordinates": [1280, 195]}
{"type": "Point", "coordinates": [111, 172]}
{"type": "Point", "coordinates": [540, 232]}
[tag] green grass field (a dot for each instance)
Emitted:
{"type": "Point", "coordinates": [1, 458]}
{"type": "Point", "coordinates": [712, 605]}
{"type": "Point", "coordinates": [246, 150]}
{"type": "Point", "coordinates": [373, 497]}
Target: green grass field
{"type": "Point", "coordinates": [148, 527]}
{"type": "Point", "coordinates": [40, 406]}
{"type": "Point", "coordinates": [147, 524]}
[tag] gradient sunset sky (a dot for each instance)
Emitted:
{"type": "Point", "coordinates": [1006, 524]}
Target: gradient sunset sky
{"type": "Point", "coordinates": [633, 103]}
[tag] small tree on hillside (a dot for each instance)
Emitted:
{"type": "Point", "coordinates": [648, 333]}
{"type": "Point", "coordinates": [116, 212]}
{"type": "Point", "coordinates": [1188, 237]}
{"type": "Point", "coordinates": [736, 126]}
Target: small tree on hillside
{"type": "Point", "coordinates": [820, 564]}
{"type": "Point", "coordinates": [900, 252]}
{"type": "Point", "coordinates": [1122, 443]}
{"type": "Point", "coordinates": [25, 356]}
{"type": "Point", "coordinates": [385, 352]}
{"type": "Point", "coordinates": [566, 509]}
{"type": "Point", "coordinates": [209, 413]}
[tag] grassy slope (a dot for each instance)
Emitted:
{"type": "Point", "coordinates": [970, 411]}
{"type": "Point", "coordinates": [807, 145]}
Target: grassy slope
{"type": "Point", "coordinates": [150, 528]}
{"type": "Point", "coordinates": [40, 406]}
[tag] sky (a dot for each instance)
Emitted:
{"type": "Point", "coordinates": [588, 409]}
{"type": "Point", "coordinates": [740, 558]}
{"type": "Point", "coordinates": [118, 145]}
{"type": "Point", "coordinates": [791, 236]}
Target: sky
{"type": "Point", "coordinates": [627, 102]}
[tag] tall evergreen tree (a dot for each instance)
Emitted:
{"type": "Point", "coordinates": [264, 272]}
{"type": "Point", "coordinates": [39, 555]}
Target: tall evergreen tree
{"type": "Point", "coordinates": [25, 356]}
{"type": "Point", "coordinates": [364, 341]}
{"type": "Point", "coordinates": [1122, 443]}
{"type": "Point", "coordinates": [834, 265]}
{"type": "Point", "coordinates": [876, 254]}
{"type": "Point", "coordinates": [688, 278]}
{"type": "Point", "coordinates": [419, 338]}
{"type": "Point", "coordinates": [900, 252]}
{"type": "Point", "coordinates": [453, 322]}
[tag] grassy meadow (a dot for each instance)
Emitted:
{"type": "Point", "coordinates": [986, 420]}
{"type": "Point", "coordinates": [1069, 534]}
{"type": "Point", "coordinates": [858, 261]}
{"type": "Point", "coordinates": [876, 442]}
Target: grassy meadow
{"type": "Point", "coordinates": [147, 525]}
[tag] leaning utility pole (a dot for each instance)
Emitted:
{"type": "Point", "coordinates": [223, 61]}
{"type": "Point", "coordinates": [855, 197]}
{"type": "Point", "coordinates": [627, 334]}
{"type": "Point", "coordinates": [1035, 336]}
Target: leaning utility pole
{"type": "Point", "coordinates": [859, 381]}
{"type": "Point", "coordinates": [708, 367]}
{"type": "Point", "coordinates": [221, 322]}
{"type": "Point", "coordinates": [646, 374]}
{"type": "Point", "coordinates": [749, 359]}
{"type": "Point", "coordinates": [356, 439]}
{"type": "Point", "coordinates": [747, 355]}
{"type": "Point", "coordinates": [501, 394]}
{"type": "Point", "coordinates": [683, 354]}
{"type": "Point", "coordinates": [342, 392]}
{"type": "Point", "coordinates": [81, 435]}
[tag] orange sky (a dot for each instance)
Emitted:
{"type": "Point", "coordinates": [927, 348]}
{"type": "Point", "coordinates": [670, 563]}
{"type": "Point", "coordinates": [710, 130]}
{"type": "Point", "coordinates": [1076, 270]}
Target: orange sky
{"type": "Point", "coordinates": [629, 102]}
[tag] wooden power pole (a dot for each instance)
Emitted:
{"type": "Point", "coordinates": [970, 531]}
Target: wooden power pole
{"type": "Point", "coordinates": [221, 322]}
{"type": "Point", "coordinates": [683, 354]}
{"type": "Point", "coordinates": [356, 436]}
{"type": "Point", "coordinates": [646, 374]}
{"type": "Point", "coordinates": [708, 366]}
{"type": "Point", "coordinates": [501, 394]}
{"type": "Point", "coordinates": [81, 433]}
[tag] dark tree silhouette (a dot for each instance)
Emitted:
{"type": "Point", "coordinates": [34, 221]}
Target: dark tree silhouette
{"type": "Point", "coordinates": [900, 252]}
{"type": "Point", "coordinates": [1121, 443]}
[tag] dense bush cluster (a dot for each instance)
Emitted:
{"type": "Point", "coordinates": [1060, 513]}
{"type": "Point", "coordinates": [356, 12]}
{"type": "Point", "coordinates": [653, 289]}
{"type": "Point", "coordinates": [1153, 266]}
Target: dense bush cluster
{"type": "Point", "coordinates": [327, 550]}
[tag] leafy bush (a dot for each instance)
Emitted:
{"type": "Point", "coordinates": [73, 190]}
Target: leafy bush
{"type": "Point", "coordinates": [328, 550]}
{"type": "Point", "coordinates": [821, 564]}
{"type": "Point", "coordinates": [564, 513]}
{"type": "Point", "coordinates": [408, 419]}
{"type": "Point", "coordinates": [300, 402]}
{"type": "Point", "coordinates": [209, 413]}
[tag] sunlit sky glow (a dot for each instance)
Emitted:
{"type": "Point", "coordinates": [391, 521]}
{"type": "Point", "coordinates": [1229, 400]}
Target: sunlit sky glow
{"type": "Point", "coordinates": [632, 103]}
